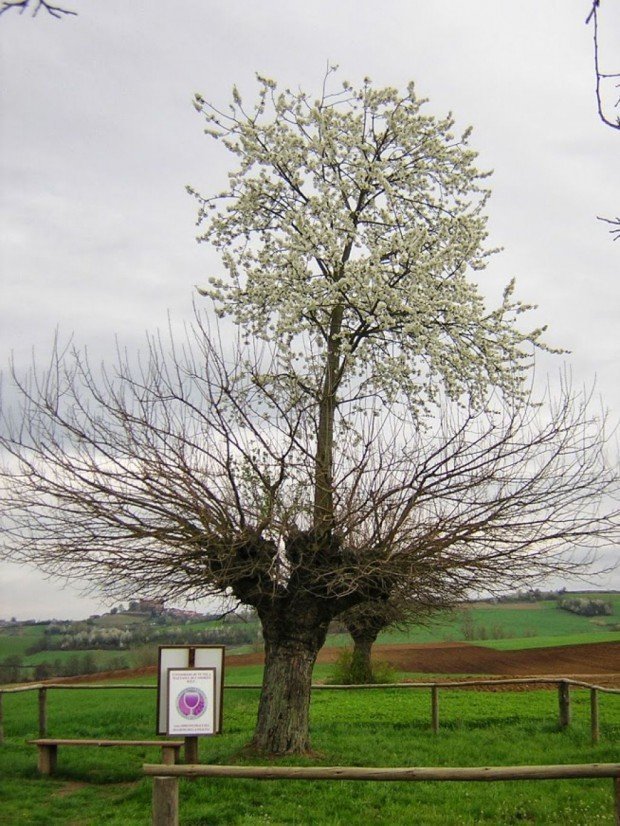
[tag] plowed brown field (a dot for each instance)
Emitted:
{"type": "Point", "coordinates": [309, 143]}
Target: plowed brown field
{"type": "Point", "coordinates": [593, 662]}
{"type": "Point", "coordinates": [589, 661]}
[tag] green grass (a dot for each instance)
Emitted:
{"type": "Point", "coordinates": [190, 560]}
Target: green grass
{"type": "Point", "coordinates": [102, 656]}
{"type": "Point", "coordinates": [383, 727]}
{"type": "Point", "coordinates": [253, 674]}
{"type": "Point", "coordinates": [549, 642]}
{"type": "Point", "coordinates": [245, 674]}
{"type": "Point", "coordinates": [506, 626]}
{"type": "Point", "coordinates": [15, 640]}
{"type": "Point", "coordinates": [118, 621]}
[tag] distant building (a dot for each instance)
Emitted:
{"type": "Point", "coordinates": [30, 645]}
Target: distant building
{"type": "Point", "coordinates": [153, 607]}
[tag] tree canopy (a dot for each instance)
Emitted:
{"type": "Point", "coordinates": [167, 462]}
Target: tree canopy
{"type": "Point", "coordinates": [354, 222]}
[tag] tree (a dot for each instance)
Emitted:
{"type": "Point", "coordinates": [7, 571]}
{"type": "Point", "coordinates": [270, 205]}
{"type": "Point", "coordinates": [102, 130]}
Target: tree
{"type": "Point", "coordinates": [364, 623]}
{"type": "Point", "coordinates": [35, 5]}
{"type": "Point", "coordinates": [370, 425]}
{"type": "Point", "coordinates": [42, 671]}
{"type": "Point", "coordinates": [180, 477]}
{"type": "Point", "coordinates": [12, 668]}
{"type": "Point", "coordinates": [601, 77]}
{"type": "Point", "coordinates": [603, 81]}
{"type": "Point", "coordinates": [433, 591]}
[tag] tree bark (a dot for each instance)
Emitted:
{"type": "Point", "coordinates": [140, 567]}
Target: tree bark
{"type": "Point", "coordinates": [293, 637]}
{"type": "Point", "coordinates": [324, 460]}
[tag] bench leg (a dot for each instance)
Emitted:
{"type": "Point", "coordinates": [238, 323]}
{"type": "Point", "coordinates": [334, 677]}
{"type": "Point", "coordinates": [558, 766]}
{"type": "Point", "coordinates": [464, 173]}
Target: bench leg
{"type": "Point", "coordinates": [170, 755]}
{"type": "Point", "coordinates": [47, 759]}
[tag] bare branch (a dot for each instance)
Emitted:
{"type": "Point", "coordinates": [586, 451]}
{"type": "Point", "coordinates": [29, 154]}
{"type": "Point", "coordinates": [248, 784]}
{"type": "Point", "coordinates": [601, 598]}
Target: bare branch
{"type": "Point", "coordinates": [180, 475]}
{"type": "Point", "coordinates": [35, 7]}
{"type": "Point", "coordinates": [599, 75]}
{"type": "Point", "coordinates": [615, 226]}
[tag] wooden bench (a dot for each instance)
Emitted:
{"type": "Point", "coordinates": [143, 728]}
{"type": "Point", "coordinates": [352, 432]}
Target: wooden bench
{"type": "Point", "coordinates": [48, 749]}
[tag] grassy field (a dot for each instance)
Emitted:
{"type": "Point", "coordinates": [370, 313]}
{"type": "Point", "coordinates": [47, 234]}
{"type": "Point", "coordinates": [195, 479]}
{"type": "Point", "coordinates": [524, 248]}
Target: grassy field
{"type": "Point", "coordinates": [388, 727]}
{"type": "Point", "coordinates": [15, 640]}
{"type": "Point", "coordinates": [383, 727]}
{"type": "Point", "coordinates": [509, 626]}
{"type": "Point", "coordinates": [515, 643]}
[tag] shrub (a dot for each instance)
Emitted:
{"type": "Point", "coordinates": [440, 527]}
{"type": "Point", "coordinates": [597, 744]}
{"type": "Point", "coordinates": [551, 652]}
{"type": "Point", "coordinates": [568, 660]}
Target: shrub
{"type": "Point", "coordinates": [43, 671]}
{"type": "Point", "coordinates": [11, 669]}
{"type": "Point", "coordinates": [346, 671]}
{"type": "Point", "coordinates": [586, 607]}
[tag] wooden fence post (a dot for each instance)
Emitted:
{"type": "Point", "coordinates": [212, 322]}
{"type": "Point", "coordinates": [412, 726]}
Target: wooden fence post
{"type": "Point", "coordinates": [594, 723]}
{"type": "Point", "coordinates": [1, 718]}
{"type": "Point", "coordinates": [435, 708]}
{"type": "Point", "coordinates": [165, 801]}
{"type": "Point", "coordinates": [564, 703]}
{"type": "Point", "coordinates": [42, 712]}
{"type": "Point", "coordinates": [191, 750]}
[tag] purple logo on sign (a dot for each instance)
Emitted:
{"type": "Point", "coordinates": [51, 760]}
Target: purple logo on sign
{"type": "Point", "coordinates": [191, 702]}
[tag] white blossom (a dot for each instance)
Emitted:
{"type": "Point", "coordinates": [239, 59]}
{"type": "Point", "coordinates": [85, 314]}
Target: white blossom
{"type": "Point", "coordinates": [353, 225]}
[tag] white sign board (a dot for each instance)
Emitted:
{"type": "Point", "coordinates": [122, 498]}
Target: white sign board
{"type": "Point", "coordinates": [186, 656]}
{"type": "Point", "coordinates": [191, 701]}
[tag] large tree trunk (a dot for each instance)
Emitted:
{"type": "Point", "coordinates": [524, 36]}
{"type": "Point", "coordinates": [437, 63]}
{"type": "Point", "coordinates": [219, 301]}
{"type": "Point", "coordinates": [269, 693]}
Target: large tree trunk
{"type": "Point", "coordinates": [283, 720]}
{"type": "Point", "coordinates": [293, 637]}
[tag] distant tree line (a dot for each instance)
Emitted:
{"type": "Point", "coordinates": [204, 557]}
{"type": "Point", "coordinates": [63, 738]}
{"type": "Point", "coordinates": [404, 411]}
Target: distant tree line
{"type": "Point", "coordinates": [587, 607]}
{"type": "Point", "coordinates": [531, 595]}
{"type": "Point", "coordinates": [14, 670]}
{"type": "Point", "coordinates": [61, 638]}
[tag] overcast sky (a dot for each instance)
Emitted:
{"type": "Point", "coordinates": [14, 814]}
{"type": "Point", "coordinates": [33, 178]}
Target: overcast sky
{"type": "Point", "coordinates": [99, 138]}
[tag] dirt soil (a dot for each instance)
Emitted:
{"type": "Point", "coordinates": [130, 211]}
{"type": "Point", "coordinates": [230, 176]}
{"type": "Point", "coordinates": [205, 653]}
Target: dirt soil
{"type": "Point", "coordinates": [592, 662]}
{"type": "Point", "coordinates": [597, 663]}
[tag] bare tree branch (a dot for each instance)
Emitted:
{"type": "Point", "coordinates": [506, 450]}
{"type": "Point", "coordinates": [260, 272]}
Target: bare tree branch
{"type": "Point", "coordinates": [35, 7]}
{"type": "Point", "coordinates": [614, 224]}
{"type": "Point", "coordinates": [601, 76]}
{"type": "Point", "coordinates": [181, 476]}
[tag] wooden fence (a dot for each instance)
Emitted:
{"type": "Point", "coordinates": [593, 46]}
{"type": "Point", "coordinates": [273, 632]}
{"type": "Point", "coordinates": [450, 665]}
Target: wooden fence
{"type": "Point", "coordinates": [563, 688]}
{"type": "Point", "coordinates": [166, 778]}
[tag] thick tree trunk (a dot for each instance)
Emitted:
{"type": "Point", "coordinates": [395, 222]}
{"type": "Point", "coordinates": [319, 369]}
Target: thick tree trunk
{"type": "Point", "coordinates": [292, 641]}
{"type": "Point", "coordinates": [284, 710]}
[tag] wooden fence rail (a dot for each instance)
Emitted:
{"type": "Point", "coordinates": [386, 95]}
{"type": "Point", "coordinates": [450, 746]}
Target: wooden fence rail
{"type": "Point", "coordinates": [166, 778]}
{"type": "Point", "coordinates": [563, 686]}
